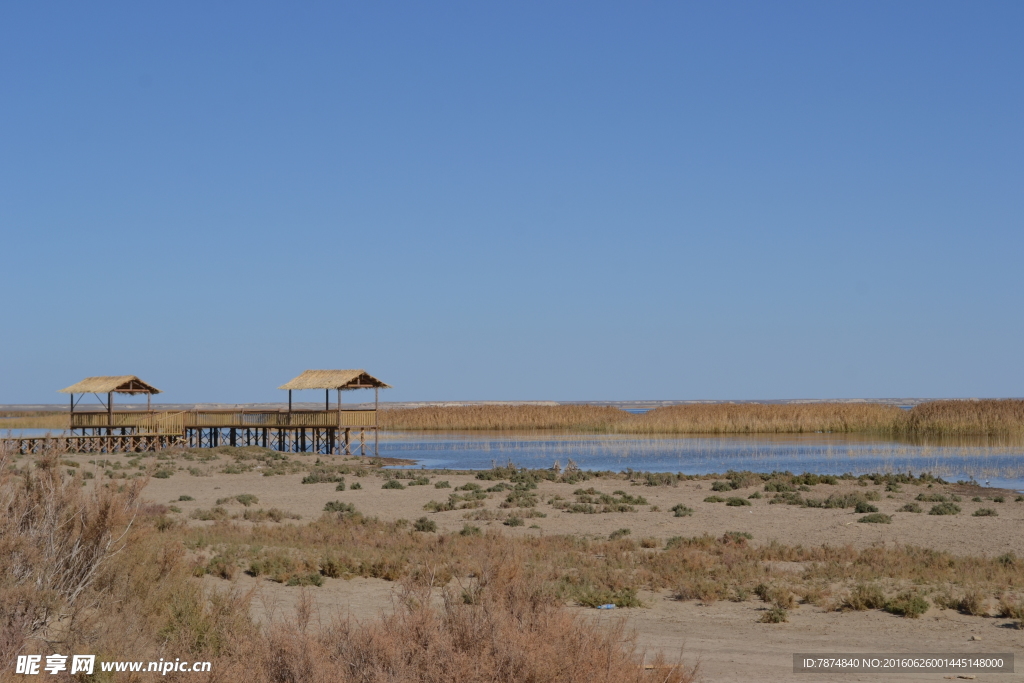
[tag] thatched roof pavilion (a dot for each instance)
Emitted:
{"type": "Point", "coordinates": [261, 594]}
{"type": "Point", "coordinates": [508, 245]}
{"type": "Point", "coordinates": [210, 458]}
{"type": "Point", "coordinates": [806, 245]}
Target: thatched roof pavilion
{"type": "Point", "coordinates": [339, 380]}
{"type": "Point", "coordinates": [110, 385]}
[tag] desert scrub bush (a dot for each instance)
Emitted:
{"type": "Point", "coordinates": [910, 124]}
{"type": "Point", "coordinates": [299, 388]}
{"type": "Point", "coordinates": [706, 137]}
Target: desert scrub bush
{"type": "Point", "coordinates": [213, 514]}
{"type": "Point", "coordinates": [650, 542]}
{"type": "Point", "coordinates": [393, 484]}
{"type": "Point", "coordinates": [736, 501]}
{"type": "Point", "coordinates": [271, 515]}
{"type": "Point", "coordinates": [184, 498]}
{"type": "Point", "coordinates": [736, 537]}
{"type": "Point", "coordinates": [863, 507]}
{"type": "Point", "coordinates": [864, 596]}
{"type": "Point", "coordinates": [595, 597]}
{"type": "Point", "coordinates": [945, 509]}
{"type": "Point", "coordinates": [424, 524]}
{"type": "Point", "coordinates": [355, 486]}
{"type": "Point", "coordinates": [514, 521]}
{"type": "Point", "coordinates": [470, 530]}
{"type": "Point", "coordinates": [998, 499]}
{"type": "Point", "coordinates": [932, 498]}
{"type": "Point", "coordinates": [245, 499]}
{"type": "Point", "coordinates": [908, 604]}
{"type": "Point", "coordinates": [442, 485]}
{"type": "Point", "coordinates": [419, 481]}
{"type": "Point", "coordinates": [681, 510]}
{"type": "Point", "coordinates": [723, 486]}
{"type": "Point", "coordinates": [1011, 608]}
{"type": "Point", "coordinates": [338, 506]}
{"type": "Point", "coordinates": [973, 602]}
{"type": "Point", "coordinates": [619, 533]}
{"type": "Point", "coordinates": [756, 495]}
{"type": "Point", "coordinates": [876, 518]}
{"type": "Point", "coordinates": [910, 507]}
{"type": "Point", "coordinates": [985, 512]}
{"type": "Point", "coordinates": [774, 615]}
{"type": "Point", "coordinates": [340, 486]}
{"type": "Point", "coordinates": [714, 499]}
{"type": "Point", "coordinates": [591, 501]}
{"type": "Point", "coordinates": [520, 499]}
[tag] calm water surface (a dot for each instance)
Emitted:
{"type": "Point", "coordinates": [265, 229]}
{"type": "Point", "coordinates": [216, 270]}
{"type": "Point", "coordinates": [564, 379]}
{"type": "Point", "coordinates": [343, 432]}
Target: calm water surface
{"type": "Point", "coordinates": [998, 461]}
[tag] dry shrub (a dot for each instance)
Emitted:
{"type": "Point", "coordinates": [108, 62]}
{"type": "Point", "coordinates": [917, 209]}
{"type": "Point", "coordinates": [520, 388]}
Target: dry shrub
{"type": "Point", "coordinates": [54, 539]}
{"type": "Point", "coordinates": [503, 627]}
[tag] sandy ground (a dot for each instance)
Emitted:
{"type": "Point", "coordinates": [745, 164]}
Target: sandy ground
{"type": "Point", "coordinates": [791, 525]}
{"type": "Point", "coordinates": [724, 636]}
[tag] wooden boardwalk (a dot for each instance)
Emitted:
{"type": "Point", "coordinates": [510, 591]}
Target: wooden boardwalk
{"type": "Point", "coordinates": [328, 432]}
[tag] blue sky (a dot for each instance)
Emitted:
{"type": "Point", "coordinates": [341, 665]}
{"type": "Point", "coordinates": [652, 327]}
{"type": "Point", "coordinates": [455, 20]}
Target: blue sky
{"type": "Point", "coordinates": [575, 201]}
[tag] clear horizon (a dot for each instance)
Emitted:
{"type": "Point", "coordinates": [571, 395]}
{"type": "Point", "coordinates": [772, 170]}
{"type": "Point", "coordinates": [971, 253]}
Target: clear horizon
{"type": "Point", "coordinates": [514, 202]}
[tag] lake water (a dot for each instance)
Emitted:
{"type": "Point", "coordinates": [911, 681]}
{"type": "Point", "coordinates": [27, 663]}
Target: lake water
{"type": "Point", "coordinates": [998, 461]}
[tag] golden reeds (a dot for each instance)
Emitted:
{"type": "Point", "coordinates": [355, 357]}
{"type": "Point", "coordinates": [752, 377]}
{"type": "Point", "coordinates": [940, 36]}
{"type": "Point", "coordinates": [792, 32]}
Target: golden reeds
{"type": "Point", "coordinates": [934, 418]}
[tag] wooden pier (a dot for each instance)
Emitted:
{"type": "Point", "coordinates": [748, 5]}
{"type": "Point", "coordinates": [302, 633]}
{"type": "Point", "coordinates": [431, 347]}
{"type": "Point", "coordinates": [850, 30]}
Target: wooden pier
{"type": "Point", "coordinates": [331, 431]}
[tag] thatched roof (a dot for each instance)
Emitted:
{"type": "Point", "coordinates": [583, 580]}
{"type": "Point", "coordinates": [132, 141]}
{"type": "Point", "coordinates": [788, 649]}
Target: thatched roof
{"type": "Point", "coordinates": [119, 384]}
{"type": "Point", "coordinates": [335, 379]}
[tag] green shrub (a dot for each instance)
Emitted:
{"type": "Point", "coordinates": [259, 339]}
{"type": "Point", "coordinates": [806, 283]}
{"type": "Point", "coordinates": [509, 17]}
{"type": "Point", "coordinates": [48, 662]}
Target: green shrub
{"type": "Point", "coordinates": [723, 486]}
{"type": "Point", "coordinates": [355, 487]}
{"type": "Point", "coordinates": [621, 533]}
{"type": "Point", "coordinates": [931, 498]}
{"type": "Point", "coordinates": [184, 498]}
{"type": "Point", "coordinates": [338, 506]}
{"type": "Point", "coordinates": [424, 524]}
{"type": "Point", "coordinates": [910, 507]}
{"type": "Point", "coordinates": [514, 521]}
{"type": "Point", "coordinates": [736, 501]}
{"type": "Point", "coordinates": [998, 499]}
{"type": "Point", "coordinates": [340, 486]}
{"type": "Point", "coordinates": [908, 604]}
{"type": "Point", "coordinates": [864, 506]}
{"type": "Point", "coordinates": [714, 499]}
{"type": "Point", "coordinates": [311, 579]}
{"type": "Point", "coordinates": [681, 510]}
{"type": "Point", "coordinates": [945, 509]}
{"type": "Point", "coordinates": [756, 495]}
{"type": "Point", "coordinates": [985, 512]}
{"type": "Point", "coordinates": [876, 518]}
{"type": "Point", "coordinates": [393, 484]}
{"type": "Point", "coordinates": [470, 530]}
{"type": "Point", "coordinates": [442, 485]}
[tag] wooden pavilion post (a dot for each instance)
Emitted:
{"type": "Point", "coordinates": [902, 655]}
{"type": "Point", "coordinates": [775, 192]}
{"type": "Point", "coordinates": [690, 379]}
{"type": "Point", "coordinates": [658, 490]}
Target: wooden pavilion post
{"type": "Point", "coordinates": [110, 412]}
{"type": "Point", "coordinates": [71, 416]}
{"type": "Point", "coordinates": [376, 421]}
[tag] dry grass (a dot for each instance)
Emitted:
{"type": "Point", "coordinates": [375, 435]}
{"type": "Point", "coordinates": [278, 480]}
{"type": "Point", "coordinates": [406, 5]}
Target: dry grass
{"type": "Point", "coordinates": [83, 572]}
{"type": "Point", "coordinates": [935, 418]}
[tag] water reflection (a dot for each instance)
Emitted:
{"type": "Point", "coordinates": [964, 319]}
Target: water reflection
{"type": "Point", "coordinates": [999, 460]}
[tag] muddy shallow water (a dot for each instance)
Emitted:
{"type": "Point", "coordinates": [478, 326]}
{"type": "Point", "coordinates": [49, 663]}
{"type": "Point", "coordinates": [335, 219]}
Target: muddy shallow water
{"type": "Point", "coordinates": [999, 461]}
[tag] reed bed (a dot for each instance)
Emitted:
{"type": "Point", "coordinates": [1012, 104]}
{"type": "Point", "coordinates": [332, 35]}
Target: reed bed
{"type": "Point", "coordinates": [938, 418]}
{"type": "Point", "coordinates": [32, 419]}
{"type": "Point", "coordinates": [963, 418]}
{"type": "Point", "coordinates": [504, 417]}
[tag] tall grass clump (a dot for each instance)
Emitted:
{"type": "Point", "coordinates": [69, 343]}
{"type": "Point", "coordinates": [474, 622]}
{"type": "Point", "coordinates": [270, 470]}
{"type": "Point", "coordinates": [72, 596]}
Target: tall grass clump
{"type": "Point", "coordinates": [54, 540]}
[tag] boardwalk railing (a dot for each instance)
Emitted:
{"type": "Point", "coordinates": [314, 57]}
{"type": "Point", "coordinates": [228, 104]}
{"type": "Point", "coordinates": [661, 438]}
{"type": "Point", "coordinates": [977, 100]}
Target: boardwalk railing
{"type": "Point", "coordinates": [151, 422]}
